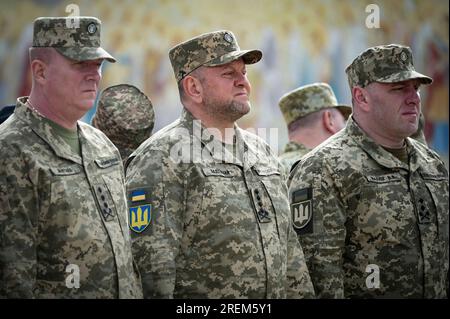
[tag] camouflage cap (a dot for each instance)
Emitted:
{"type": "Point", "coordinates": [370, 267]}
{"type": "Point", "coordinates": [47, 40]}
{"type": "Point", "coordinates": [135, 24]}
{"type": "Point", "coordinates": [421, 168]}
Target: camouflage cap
{"type": "Point", "coordinates": [125, 115]}
{"type": "Point", "coordinates": [386, 64]}
{"type": "Point", "coordinates": [77, 38]}
{"type": "Point", "coordinates": [209, 49]}
{"type": "Point", "coordinates": [308, 99]}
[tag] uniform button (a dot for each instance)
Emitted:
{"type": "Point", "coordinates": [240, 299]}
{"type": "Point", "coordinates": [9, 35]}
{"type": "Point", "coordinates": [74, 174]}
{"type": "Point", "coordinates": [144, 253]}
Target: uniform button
{"type": "Point", "coordinates": [105, 204]}
{"type": "Point", "coordinates": [256, 191]}
{"type": "Point", "coordinates": [102, 197]}
{"type": "Point", "coordinates": [260, 204]}
{"type": "Point", "coordinates": [99, 189]}
{"type": "Point", "coordinates": [258, 197]}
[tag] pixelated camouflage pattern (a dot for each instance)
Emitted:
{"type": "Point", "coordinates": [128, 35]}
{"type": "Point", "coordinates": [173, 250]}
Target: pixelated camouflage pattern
{"type": "Point", "coordinates": [308, 99]}
{"type": "Point", "coordinates": [126, 116]}
{"type": "Point", "coordinates": [386, 64]}
{"type": "Point", "coordinates": [52, 213]}
{"type": "Point", "coordinates": [209, 49]}
{"type": "Point", "coordinates": [77, 43]}
{"type": "Point", "coordinates": [292, 153]}
{"type": "Point", "coordinates": [205, 239]}
{"type": "Point", "coordinates": [371, 208]}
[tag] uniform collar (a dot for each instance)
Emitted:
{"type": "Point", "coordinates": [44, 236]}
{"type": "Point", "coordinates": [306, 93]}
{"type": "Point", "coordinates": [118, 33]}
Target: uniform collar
{"type": "Point", "coordinates": [294, 146]}
{"type": "Point", "coordinates": [45, 131]}
{"type": "Point", "coordinates": [215, 146]}
{"type": "Point", "coordinates": [378, 153]}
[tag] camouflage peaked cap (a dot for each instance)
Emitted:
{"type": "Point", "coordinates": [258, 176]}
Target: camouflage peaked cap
{"type": "Point", "coordinates": [386, 64]}
{"type": "Point", "coordinates": [125, 115]}
{"type": "Point", "coordinates": [77, 38]}
{"type": "Point", "coordinates": [309, 99]}
{"type": "Point", "coordinates": [209, 49]}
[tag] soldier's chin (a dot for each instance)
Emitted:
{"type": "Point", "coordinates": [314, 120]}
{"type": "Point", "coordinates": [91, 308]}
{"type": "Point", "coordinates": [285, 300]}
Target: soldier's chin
{"type": "Point", "coordinates": [86, 103]}
{"type": "Point", "coordinates": [238, 111]}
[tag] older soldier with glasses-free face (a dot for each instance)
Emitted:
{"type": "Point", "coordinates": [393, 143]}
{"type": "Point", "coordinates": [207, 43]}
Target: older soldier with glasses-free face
{"type": "Point", "coordinates": [216, 225]}
{"type": "Point", "coordinates": [62, 192]}
{"type": "Point", "coordinates": [376, 200]}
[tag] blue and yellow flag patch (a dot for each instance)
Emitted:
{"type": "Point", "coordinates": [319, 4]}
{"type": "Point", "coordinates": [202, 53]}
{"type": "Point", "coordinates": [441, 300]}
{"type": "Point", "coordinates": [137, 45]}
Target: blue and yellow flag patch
{"type": "Point", "coordinates": [140, 215]}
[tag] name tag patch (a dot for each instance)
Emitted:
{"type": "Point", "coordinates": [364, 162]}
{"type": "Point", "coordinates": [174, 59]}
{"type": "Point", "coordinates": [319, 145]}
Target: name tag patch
{"type": "Point", "coordinates": [63, 171]}
{"type": "Point", "coordinates": [107, 162]}
{"type": "Point", "coordinates": [381, 179]}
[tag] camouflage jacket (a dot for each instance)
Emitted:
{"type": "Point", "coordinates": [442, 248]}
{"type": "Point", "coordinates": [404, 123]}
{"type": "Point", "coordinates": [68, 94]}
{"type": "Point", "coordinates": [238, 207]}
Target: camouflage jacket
{"type": "Point", "coordinates": [370, 225]}
{"type": "Point", "coordinates": [212, 227]}
{"type": "Point", "coordinates": [60, 213]}
{"type": "Point", "coordinates": [293, 152]}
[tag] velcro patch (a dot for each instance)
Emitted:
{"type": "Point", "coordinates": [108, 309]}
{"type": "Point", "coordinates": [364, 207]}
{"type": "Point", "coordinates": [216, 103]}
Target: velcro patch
{"type": "Point", "coordinates": [140, 210]}
{"type": "Point", "coordinates": [302, 211]}
{"type": "Point", "coordinates": [107, 162]}
{"type": "Point", "coordinates": [381, 179]}
{"type": "Point", "coordinates": [64, 171]}
{"type": "Point", "coordinates": [221, 170]}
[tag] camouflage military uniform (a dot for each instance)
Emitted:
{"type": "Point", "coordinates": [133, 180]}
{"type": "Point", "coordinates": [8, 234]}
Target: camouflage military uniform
{"type": "Point", "coordinates": [126, 116]}
{"type": "Point", "coordinates": [57, 209]}
{"type": "Point", "coordinates": [63, 226]}
{"type": "Point", "coordinates": [301, 102]}
{"type": "Point", "coordinates": [370, 208]}
{"type": "Point", "coordinates": [370, 224]}
{"type": "Point", "coordinates": [292, 153]}
{"type": "Point", "coordinates": [208, 224]}
{"type": "Point", "coordinates": [209, 237]}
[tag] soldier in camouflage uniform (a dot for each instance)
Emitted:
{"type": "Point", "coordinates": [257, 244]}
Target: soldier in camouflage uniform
{"type": "Point", "coordinates": [126, 116]}
{"type": "Point", "coordinates": [209, 212]}
{"type": "Point", "coordinates": [370, 205]}
{"type": "Point", "coordinates": [312, 115]}
{"type": "Point", "coordinates": [63, 225]}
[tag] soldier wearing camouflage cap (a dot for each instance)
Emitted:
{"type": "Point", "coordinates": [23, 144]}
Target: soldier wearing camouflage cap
{"type": "Point", "coordinates": [312, 115]}
{"type": "Point", "coordinates": [126, 116]}
{"type": "Point", "coordinates": [62, 194]}
{"type": "Point", "coordinates": [371, 204]}
{"type": "Point", "coordinates": [208, 203]}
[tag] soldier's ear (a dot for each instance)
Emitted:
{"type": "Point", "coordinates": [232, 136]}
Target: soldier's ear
{"type": "Point", "coordinates": [38, 69]}
{"type": "Point", "coordinates": [193, 88]}
{"type": "Point", "coordinates": [360, 96]}
{"type": "Point", "coordinates": [329, 122]}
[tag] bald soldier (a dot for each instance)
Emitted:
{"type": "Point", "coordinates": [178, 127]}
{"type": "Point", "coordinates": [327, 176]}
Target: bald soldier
{"type": "Point", "coordinates": [370, 205]}
{"type": "Point", "coordinates": [126, 116]}
{"type": "Point", "coordinates": [209, 210]}
{"type": "Point", "coordinates": [312, 115]}
{"type": "Point", "coordinates": [63, 225]}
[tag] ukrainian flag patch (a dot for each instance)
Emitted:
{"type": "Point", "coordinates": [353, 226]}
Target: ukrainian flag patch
{"type": "Point", "coordinates": [139, 215]}
{"type": "Point", "coordinates": [137, 195]}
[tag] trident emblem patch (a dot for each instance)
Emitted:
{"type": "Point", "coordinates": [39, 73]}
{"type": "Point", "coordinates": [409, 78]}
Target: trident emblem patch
{"type": "Point", "coordinates": [302, 211]}
{"type": "Point", "coordinates": [141, 215]}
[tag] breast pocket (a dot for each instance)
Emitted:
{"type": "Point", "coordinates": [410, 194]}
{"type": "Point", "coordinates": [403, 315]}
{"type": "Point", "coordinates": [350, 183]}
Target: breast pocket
{"type": "Point", "coordinates": [223, 191]}
{"type": "Point", "coordinates": [68, 188]}
{"type": "Point", "coordinates": [383, 208]}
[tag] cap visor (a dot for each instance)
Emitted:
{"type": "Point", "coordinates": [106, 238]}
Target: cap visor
{"type": "Point", "coordinates": [249, 57]}
{"type": "Point", "coordinates": [346, 110]}
{"type": "Point", "coordinates": [85, 54]}
{"type": "Point", "coordinates": [405, 76]}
